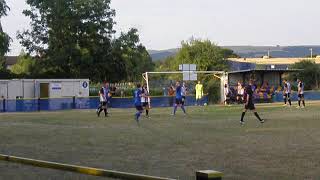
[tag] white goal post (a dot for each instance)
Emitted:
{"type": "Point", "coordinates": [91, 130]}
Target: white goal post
{"type": "Point", "coordinates": [218, 74]}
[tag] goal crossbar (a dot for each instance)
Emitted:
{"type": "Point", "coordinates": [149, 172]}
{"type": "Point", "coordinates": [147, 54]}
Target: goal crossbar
{"type": "Point", "coordinates": [181, 72]}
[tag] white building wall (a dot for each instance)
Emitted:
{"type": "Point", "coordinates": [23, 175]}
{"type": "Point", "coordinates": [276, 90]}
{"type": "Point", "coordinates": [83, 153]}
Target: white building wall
{"type": "Point", "coordinates": [55, 89]}
{"type": "Point", "coordinates": [4, 89]}
{"type": "Point", "coordinates": [30, 88]}
{"type": "Point", "coordinates": [68, 89]}
{"type": "Point", "coordinates": [77, 88]}
{"type": "Point", "coordinates": [83, 90]}
{"type": "Point", "coordinates": [15, 89]}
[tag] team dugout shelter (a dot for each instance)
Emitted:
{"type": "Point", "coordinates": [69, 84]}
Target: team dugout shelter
{"type": "Point", "coordinates": [267, 81]}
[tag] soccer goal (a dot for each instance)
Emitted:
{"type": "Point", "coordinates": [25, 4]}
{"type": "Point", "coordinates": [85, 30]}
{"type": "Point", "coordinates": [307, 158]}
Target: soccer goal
{"type": "Point", "coordinates": [190, 76]}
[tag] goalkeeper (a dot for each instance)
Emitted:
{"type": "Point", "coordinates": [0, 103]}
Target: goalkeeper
{"type": "Point", "coordinates": [199, 93]}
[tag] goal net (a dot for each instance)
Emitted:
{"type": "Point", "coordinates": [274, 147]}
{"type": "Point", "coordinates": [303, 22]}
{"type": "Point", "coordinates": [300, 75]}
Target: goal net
{"type": "Point", "coordinates": [162, 81]}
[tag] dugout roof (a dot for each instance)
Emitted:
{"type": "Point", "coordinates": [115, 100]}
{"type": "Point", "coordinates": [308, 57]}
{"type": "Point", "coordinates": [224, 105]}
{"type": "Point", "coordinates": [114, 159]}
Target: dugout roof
{"type": "Point", "coordinates": [265, 71]}
{"type": "Point", "coordinates": [273, 76]}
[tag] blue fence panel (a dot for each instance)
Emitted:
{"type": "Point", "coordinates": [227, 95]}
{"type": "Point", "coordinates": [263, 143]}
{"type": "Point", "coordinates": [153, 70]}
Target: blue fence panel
{"type": "Point", "coordinates": [93, 102]}
{"type": "Point", "coordinates": [309, 95]}
{"type": "Point", "coordinates": [312, 95]}
{"type": "Point", "coordinates": [122, 103]}
{"type": "Point", "coordinates": [56, 104]}
{"type": "Point", "coordinates": [43, 104]}
{"type": "Point", "coordinates": [86, 103]}
{"type": "Point", "coordinates": [21, 105]}
{"type": "Point", "coordinates": [26, 105]}
{"type": "Point", "coordinates": [162, 101]}
{"type": "Point", "coordinates": [2, 105]}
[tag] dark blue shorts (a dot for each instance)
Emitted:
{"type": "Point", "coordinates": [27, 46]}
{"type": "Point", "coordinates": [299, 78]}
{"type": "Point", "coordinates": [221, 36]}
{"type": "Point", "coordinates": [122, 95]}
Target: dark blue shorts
{"type": "Point", "coordinates": [178, 101]}
{"type": "Point", "coordinates": [139, 108]}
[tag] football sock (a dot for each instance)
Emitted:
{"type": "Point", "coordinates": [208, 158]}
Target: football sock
{"type": "Point", "coordinates": [183, 109]}
{"type": "Point", "coordinates": [100, 111]}
{"type": "Point", "coordinates": [174, 109]}
{"type": "Point", "coordinates": [257, 115]}
{"type": "Point", "coordinates": [242, 116]}
{"type": "Point", "coordinates": [138, 114]}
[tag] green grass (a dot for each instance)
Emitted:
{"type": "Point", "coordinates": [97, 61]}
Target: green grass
{"type": "Point", "coordinates": [285, 147]}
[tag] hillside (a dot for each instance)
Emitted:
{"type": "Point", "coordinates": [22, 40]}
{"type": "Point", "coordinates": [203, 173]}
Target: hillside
{"type": "Point", "coordinates": [157, 55]}
{"type": "Point", "coordinates": [251, 51]}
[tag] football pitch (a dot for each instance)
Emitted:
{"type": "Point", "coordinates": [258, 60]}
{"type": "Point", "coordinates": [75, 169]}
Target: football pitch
{"type": "Point", "coordinates": [287, 146]}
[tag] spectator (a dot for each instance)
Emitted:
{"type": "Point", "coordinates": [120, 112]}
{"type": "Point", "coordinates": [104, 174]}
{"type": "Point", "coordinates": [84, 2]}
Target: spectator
{"type": "Point", "coordinates": [240, 92]}
{"type": "Point", "coordinates": [226, 94]}
{"type": "Point", "coordinates": [171, 91]}
{"type": "Point", "coordinates": [164, 91]}
{"type": "Point", "coordinates": [265, 87]}
{"type": "Point", "coordinates": [171, 94]}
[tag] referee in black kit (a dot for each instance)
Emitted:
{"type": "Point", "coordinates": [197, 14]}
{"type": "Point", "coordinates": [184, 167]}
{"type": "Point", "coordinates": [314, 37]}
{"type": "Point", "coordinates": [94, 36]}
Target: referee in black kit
{"type": "Point", "coordinates": [249, 104]}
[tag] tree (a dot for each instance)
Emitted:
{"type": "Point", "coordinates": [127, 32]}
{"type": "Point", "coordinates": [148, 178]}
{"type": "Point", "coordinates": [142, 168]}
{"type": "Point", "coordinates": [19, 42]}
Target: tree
{"type": "Point", "coordinates": [24, 66]}
{"type": "Point", "coordinates": [4, 38]}
{"type": "Point", "coordinates": [313, 56]}
{"type": "Point", "coordinates": [205, 54]}
{"type": "Point", "coordinates": [309, 75]}
{"type": "Point", "coordinates": [228, 53]}
{"type": "Point", "coordinates": [132, 55]}
{"type": "Point", "coordinates": [72, 38]}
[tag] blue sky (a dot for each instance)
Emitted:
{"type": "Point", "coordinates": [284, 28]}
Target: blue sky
{"type": "Point", "coordinates": [164, 24]}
